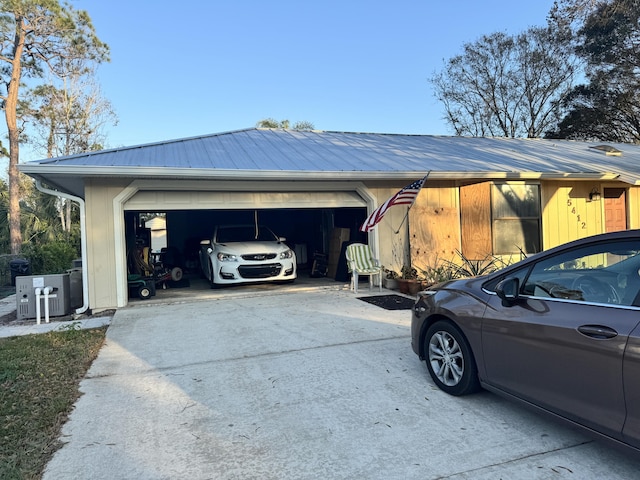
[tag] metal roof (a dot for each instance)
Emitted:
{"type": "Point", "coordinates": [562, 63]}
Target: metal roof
{"type": "Point", "coordinates": [258, 153]}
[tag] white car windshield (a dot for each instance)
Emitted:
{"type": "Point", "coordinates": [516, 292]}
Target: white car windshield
{"type": "Point", "coordinates": [244, 233]}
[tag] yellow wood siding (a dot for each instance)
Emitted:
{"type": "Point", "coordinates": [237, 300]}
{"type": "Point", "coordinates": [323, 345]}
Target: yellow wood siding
{"type": "Point", "coordinates": [633, 208]}
{"type": "Point", "coordinates": [568, 214]}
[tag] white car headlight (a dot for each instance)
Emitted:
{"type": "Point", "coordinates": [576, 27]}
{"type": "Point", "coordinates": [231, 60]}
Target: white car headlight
{"type": "Point", "coordinates": [227, 257]}
{"type": "Point", "coordinates": [287, 254]}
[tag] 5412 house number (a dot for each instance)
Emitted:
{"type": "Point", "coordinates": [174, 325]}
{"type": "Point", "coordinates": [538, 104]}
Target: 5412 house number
{"type": "Point", "coordinates": [572, 209]}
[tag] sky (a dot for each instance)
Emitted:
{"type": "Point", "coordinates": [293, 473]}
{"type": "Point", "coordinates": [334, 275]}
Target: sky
{"type": "Point", "coordinates": [196, 67]}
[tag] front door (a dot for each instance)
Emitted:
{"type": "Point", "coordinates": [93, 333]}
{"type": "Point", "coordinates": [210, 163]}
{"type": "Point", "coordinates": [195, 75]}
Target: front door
{"type": "Point", "coordinates": [615, 209]}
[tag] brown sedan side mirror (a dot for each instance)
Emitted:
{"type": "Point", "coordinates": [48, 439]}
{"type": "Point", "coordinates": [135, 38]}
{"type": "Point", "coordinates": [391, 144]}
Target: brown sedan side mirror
{"type": "Point", "coordinates": [508, 291]}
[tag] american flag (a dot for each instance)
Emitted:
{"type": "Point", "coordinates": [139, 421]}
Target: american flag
{"type": "Point", "coordinates": [406, 196]}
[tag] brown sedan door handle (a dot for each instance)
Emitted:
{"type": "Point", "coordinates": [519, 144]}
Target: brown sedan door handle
{"type": "Point", "coordinates": [597, 331]}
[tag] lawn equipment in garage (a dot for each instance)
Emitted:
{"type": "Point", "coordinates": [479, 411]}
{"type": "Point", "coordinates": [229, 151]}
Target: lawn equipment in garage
{"type": "Point", "coordinates": [150, 272]}
{"type": "Point", "coordinates": [142, 287]}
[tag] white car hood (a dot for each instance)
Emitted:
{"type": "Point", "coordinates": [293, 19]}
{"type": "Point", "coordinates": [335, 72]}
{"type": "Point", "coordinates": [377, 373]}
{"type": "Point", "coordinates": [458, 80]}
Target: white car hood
{"type": "Point", "coordinates": [243, 248]}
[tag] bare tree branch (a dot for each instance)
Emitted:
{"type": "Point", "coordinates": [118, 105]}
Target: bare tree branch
{"type": "Point", "coordinates": [507, 86]}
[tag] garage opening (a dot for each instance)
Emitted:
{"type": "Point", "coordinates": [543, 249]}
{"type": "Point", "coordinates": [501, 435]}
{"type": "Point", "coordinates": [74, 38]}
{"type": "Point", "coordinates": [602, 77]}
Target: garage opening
{"type": "Point", "coordinates": [318, 236]}
{"type": "Point", "coordinates": [316, 218]}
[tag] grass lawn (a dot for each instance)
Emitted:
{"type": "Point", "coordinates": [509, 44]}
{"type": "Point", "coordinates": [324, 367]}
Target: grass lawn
{"type": "Point", "coordinates": [39, 378]}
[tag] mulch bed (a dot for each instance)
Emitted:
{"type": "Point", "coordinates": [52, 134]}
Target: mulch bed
{"type": "Point", "coordinates": [390, 302]}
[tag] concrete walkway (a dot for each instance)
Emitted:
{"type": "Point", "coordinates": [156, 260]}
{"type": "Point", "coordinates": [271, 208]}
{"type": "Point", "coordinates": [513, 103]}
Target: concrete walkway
{"type": "Point", "coordinates": [297, 385]}
{"type": "Point", "coordinates": [199, 290]}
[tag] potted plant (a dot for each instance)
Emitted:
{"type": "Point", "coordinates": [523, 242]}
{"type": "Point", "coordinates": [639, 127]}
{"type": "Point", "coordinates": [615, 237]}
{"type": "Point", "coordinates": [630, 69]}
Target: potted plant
{"type": "Point", "coordinates": [390, 279]}
{"type": "Point", "coordinates": [408, 281]}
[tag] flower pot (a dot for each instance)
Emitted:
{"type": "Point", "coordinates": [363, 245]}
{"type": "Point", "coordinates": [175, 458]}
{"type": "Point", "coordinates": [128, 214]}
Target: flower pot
{"type": "Point", "coordinates": [409, 286]}
{"type": "Point", "coordinates": [390, 283]}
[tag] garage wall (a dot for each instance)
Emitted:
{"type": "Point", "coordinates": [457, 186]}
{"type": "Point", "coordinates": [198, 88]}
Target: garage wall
{"type": "Point", "coordinates": [101, 244]}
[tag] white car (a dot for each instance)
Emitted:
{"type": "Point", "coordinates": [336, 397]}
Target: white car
{"type": "Point", "coordinates": [246, 253]}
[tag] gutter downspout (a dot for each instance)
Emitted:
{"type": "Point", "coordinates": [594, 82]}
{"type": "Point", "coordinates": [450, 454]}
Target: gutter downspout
{"type": "Point", "coordinates": [83, 242]}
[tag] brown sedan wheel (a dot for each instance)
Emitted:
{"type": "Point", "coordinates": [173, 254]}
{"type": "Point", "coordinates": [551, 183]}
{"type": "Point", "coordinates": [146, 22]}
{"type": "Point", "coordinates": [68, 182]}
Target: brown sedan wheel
{"type": "Point", "coordinates": [449, 359]}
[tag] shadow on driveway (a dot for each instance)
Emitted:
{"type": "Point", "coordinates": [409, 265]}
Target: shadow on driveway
{"type": "Point", "coordinates": [296, 385]}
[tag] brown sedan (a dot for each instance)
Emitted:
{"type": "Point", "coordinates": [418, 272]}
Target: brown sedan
{"type": "Point", "coordinates": [559, 331]}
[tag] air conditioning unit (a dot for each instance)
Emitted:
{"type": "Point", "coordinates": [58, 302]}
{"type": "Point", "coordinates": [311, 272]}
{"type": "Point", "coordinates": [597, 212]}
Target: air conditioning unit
{"type": "Point", "coordinates": [59, 298]}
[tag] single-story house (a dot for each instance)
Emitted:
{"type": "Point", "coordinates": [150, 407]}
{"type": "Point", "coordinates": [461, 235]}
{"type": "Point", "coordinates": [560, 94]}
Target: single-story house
{"type": "Point", "coordinates": [483, 196]}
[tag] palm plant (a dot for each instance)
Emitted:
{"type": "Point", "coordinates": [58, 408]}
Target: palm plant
{"type": "Point", "coordinates": [473, 268]}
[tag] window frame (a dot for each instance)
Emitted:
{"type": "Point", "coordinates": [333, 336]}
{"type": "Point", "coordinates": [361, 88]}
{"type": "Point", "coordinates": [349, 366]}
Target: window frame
{"type": "Point", "coordinates": [496, 245]}
{"type": "Point", "coordinates": [626, 277]}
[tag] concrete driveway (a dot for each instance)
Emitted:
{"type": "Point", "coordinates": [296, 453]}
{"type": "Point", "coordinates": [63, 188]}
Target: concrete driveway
{"type": "Point", "coordinates": [297, 385]}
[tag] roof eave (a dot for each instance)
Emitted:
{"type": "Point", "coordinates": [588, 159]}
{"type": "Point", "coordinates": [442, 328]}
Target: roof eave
{"type": "Point", "coordinates": [44, 171]}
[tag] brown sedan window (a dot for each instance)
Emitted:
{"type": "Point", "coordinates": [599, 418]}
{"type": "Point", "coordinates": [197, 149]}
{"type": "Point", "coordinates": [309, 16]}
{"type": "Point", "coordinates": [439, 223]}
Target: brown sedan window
{"type": "Point", "coordinates": [606, 273]}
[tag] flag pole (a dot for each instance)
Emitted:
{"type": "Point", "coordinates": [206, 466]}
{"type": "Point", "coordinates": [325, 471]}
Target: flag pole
{"type": "Point", "coordinates": [406, 196]}
{"type": "Point", "coordinates": [406, 215]}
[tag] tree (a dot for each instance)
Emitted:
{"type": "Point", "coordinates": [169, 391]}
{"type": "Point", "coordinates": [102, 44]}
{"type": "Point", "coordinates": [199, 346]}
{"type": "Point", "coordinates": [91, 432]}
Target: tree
{"type": "Point", "coordinates": [284, 124]}
{"type": "Point", "coordinates": [608, 106]}
{"type": "Point", "coordinates": [69, 119]}
{"type": "Point", "coordinates": [4, 216]}
{"type": "Point", "coordinates": [40, 214]}
{"type": "Point", "coordinates": [507, 86]}
{"type": "Point", "coordinates": [37, 37]}
{"type": "Point", "coordinates": [569, 14]}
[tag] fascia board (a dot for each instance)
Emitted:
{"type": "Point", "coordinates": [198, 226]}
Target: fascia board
{"type": "Point", "coordinates": [110, 171]}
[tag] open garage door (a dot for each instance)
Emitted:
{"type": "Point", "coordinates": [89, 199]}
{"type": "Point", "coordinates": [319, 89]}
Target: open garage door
{"type": "Point", "coordinates": [308, 214]}
{"type": "Point", "coordinates": [306, 218]}
{"type": "Point", "coordinates": [315, 224]}
{"type": "Point", "coordinates": [168, 200]}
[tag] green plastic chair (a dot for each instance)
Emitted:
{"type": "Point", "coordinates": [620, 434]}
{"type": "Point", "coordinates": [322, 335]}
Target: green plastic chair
{"type": "Point", "coordinates": [360, 261]}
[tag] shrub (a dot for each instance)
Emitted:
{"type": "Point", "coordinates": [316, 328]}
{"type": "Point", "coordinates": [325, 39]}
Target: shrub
{"type": "Point", "coordinates": [51, 257]}
{"type": "Point", "coordinates": [472, 268]}
{"type": "Point", "coordinates": [464, 267]}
